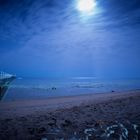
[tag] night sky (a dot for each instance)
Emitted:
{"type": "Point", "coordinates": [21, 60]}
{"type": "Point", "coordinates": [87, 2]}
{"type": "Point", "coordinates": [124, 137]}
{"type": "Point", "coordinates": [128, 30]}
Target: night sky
{"type": "Point", "coordinates": [52, 38]}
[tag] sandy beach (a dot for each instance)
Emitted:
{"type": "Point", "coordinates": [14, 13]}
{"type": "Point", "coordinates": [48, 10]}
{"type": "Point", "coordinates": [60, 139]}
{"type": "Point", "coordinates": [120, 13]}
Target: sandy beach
{"type": "Point", "coordinates": [112, 116]}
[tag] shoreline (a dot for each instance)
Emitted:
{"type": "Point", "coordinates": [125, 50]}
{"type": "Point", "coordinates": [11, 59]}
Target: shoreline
{"type": "Point", "coordinates": [35, 119]}
{"type": "Point", "coordinates": [66, 99]}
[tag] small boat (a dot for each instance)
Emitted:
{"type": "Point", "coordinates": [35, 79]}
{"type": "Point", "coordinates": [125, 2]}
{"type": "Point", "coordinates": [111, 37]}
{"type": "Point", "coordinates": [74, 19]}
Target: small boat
{"type": "Point", "coordinates": [5, 80]}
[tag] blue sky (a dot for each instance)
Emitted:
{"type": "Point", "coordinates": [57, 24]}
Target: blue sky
{"type": "Point", "coordinates": [52, 38]}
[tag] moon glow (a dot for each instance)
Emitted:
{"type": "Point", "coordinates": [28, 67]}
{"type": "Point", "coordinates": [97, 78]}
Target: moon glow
{"type": "Point", "coordinates": [86, 6]}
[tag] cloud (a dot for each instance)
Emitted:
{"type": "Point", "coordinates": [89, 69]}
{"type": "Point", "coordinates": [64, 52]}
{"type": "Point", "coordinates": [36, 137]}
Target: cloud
{"type": "Point", "coordinates": [48, 34]}
{"type": "Point", "coordinates": [23, 19]}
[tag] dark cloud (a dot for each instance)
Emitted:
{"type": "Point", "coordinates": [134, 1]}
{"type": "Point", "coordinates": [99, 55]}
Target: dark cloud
{"type": "Point", "coordinates": [23, 19]}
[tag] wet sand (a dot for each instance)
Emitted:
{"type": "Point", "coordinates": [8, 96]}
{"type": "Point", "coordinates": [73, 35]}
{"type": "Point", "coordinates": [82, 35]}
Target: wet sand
{"type": "Point", "coordinates": [110, 116]}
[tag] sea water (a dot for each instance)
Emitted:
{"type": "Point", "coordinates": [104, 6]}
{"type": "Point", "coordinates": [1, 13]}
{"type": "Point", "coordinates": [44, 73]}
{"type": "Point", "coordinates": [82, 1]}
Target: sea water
{"type": "Point", "coordinates": [43, 88]}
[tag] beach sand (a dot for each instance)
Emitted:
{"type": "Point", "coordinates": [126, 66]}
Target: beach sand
{"type": "Point", "coordinates": [102, 116]}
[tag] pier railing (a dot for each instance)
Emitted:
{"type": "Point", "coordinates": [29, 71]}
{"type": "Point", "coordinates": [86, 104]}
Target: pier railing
{"type": "Point", "coordinates": [4, 75]}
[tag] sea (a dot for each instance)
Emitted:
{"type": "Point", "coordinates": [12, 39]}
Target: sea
{"type": "Point", "coordinates": [44, 88]}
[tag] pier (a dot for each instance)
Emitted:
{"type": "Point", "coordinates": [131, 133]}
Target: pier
{"type": "Point", "coordinates": [5, 80]}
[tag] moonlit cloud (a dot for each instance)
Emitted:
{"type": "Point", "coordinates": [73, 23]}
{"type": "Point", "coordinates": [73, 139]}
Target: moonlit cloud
{"type": "Point", "coordinates": [51, 36]}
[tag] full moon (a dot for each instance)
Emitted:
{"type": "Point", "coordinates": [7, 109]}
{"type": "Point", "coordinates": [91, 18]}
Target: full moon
{"type": "Point", "coordinates": [86, 6]}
